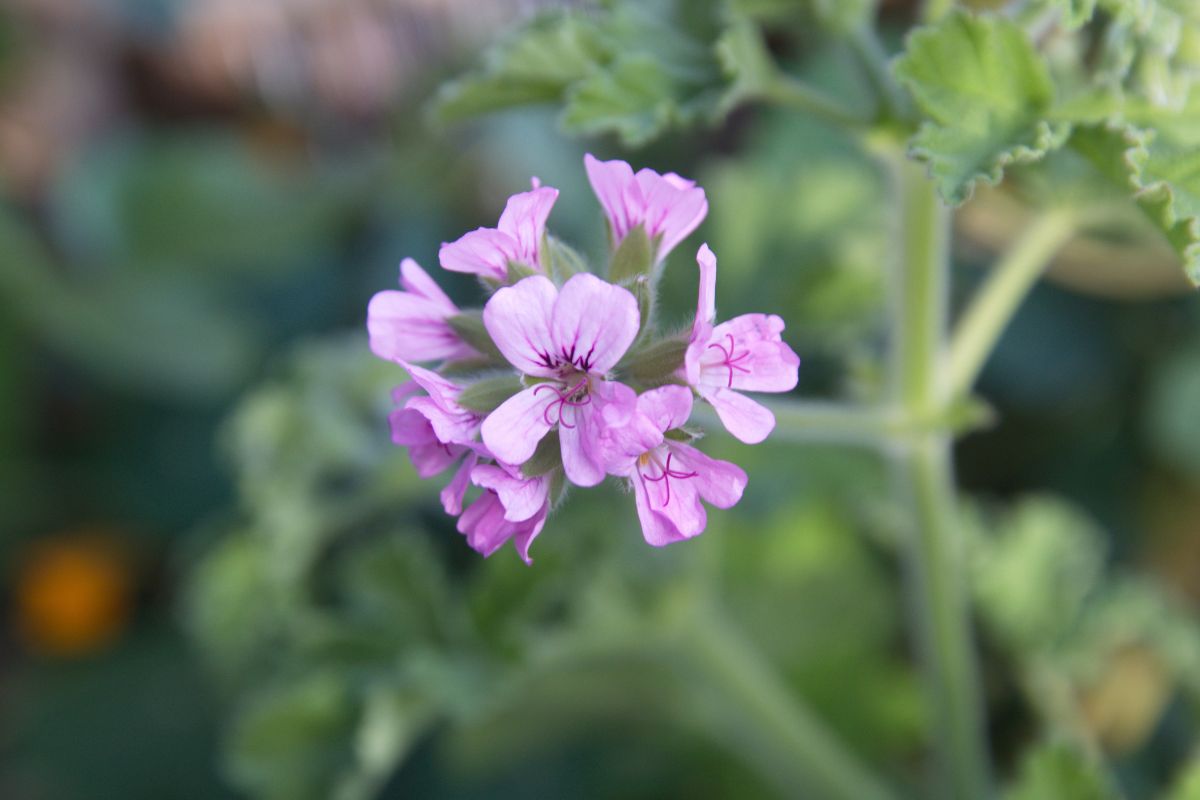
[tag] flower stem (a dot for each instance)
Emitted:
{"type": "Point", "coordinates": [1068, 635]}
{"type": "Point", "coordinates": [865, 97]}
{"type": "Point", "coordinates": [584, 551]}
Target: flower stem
{"type": "Point", "coordinates": [795, 94]}
{"type": "Point", "coordinates": [792, 747]}
{"type": "Point", "coordinates": [820, 422]}
{"type": "Point", "coordinates": [924, 484]}
{"type": "Point", "coordinates": [1010, 281]}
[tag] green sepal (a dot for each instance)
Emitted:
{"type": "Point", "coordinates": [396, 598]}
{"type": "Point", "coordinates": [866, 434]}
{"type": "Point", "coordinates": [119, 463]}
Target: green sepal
{"type": "Point", "coordinates": [546, 458]}
{"type": "Point", "coordinates": [519, 271]}
{"type": "Point", "coordinates": [558, 488]}
{"type": "Point", "coordinates": [656, 363]}
{"type": "Point", "coordinates": [466, 366]}
{"type": "Point", "coordinates": [564, 261]}
{"type": "Point", "coordinates": [643, 290]}
{"type": "Point", "coordinates": [486, 395]}
{"type": "Point", "coordinates": [633, 258]}
{"type": "Point", "coordinates": [470, 328]}
{"type": "Point", "coordinates": [682, 435]}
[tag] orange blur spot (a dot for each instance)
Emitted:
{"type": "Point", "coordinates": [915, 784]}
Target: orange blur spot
{"type": "Point", "coordinates": [73, 595]}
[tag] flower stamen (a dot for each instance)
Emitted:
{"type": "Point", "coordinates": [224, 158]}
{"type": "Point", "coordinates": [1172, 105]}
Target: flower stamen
{"type": "Point", "coordinates": [730, 358]}
{"type": "Point", "coordinates": [664, 476]}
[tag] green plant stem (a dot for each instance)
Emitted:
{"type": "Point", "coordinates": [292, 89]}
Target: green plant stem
{"type": "Point", "coordinates": [818, 422]}
{"type": "Point", "coordinates": [993, 307]}
{"type": "Point", "coordinates": [790, 745]}
{"type": "Point", "coordinates": [941, 612]}
{"type": "Point", "coordinates": [893, 102]}
{"type": "Point", "coordinates": [919, 294]}
{"type": "Point", "coordinates": [795, 94]}
{"type": "Point", "coordinates": [939, 600]}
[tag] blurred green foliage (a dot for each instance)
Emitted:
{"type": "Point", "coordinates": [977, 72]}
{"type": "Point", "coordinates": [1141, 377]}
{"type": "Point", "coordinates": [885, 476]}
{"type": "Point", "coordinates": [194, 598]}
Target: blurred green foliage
{"type": "Point", "coordinates": [181, 288]}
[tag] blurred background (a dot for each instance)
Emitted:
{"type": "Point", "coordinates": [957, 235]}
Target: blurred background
{"type": "Point", "coordinates": [218, 578]}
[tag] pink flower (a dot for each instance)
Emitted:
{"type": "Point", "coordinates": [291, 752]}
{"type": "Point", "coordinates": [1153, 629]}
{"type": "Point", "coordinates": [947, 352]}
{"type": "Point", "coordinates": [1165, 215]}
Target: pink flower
{"type": "Point", "coordinates": [511, 507]}
{"type": "Point", "coordinates": [670, 478]}
{"type": "Point", "coordinates": [487, 252]}
{"type": "Point", "coordinates": [437, 431]}
{"type": "Point", "coordinates": [411, 325]}
{"type": "Point", "coordinates": [744, 354]}
{"type": "Point", "coordinates": [569, 340]}
{"type": "Point", "coordinates": [668, 206]}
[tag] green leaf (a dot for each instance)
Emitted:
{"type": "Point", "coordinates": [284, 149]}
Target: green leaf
{"type": "Point", "coordinates": [1033, 577]}
{"type": "Point", "coordinates": [534, 65]}
{"type": "Point", "coordinates": [1074, 14]}
{"type": "Point", "coordinates": [486, 395]}
{"type": "Point", "coordinates": [632, 100]}
{"type": "Point", "coordinates": [1058, 771]}
{"type": "Point", "coordinates": [293, 742]}
{"type": "Point", "coordinates": [987, 94]}
{"type": "Point", "coordinates": [628, 68]}
{"type": "Point", "coordinates": [1164, 176]}
{"type": "Point", "coordinates": [838, 17]}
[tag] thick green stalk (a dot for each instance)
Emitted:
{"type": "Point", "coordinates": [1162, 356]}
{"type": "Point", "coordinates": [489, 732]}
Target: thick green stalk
{"type": "Point", "coordinates": [821, 422]}
{"type": "Point", "coordinates": [761, 718]}
{"type": "Point", "coordinates": [793, 93]}
{"type": "Point", "coordinates": [924, 483]}
{"type": "Point", "coordinates": [993, 307]}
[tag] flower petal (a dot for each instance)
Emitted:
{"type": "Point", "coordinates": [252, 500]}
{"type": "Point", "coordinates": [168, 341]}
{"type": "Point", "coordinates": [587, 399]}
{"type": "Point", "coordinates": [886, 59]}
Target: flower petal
{"type": "Point", "coordinates": [706, 305]}
{"type": "Point", "coordinates": [674, 207]}
{"type": "Point", "coordinates": [747, 420]}
{"type": "Point", "coordinates": [451, 428]}
{"type": "Point", "coordinates": [672, 517]}
{"type": "Point", "coordinates": [407, 327]}
{"type": "Point", "coordinates": [583, 456]}
{"type": "Point", "coordinates": [484, 525]}
{"type": "Point", "coordinates": [612, 182]}
{"type": "Point", "coordinates": [518, 319]}
{"type": "Point", "coordinates": [484, 252]}
{"type": "Point", "coordinates": [454, 492]}
{"type": "Point", "coordinates": [593, 323]}
{"type": "Point", "coordinates": [415, 280]}
{"type": "Point", "coordinates": [522, 498]}
{"type": "Point", "coordinates": [768, 364]}
{"type": "Point", "coordinates": [667, 406]}
{"type": "Point", "coordinates": [527, 531]}
{"type": "Point", "coordinates": [721, 483]}
{"type": "Point", "coordinates": [513, 430]}
{"type": "Point", "coordinates": [524, 219]}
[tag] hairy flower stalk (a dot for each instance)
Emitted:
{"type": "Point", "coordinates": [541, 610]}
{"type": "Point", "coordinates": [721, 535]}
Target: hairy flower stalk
{"type": "Point", "coordinates": [567, 381]}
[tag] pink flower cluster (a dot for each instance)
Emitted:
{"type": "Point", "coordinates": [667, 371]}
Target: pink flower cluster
{"type": "Point", "coordinates": [561, 381]}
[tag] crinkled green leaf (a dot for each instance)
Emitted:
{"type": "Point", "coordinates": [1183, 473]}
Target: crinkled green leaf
{"type": "Point", "coordinates": [632, 69]}
{"type": "Point", "coordinates": [1032, 577]}
{"type": "Point", "coordinates": [292, 743]}
{"type": "Point", "coordinates": [1164, 176]}
{"type": "Point", "coordinates": [1151, 47]}
{"type": "Point", "coordinates": [534, 65]}
{"type": "Point", "coordinates": [1059, 772]}
{"type": "Point", "coordinates": [835, 16]}
{"type": "Point", "coordinates": [987, 94]}
{"type": "Point", "coordinates": [632, 99]}
{"type": "Point", "coordinates": [1074, 14]}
